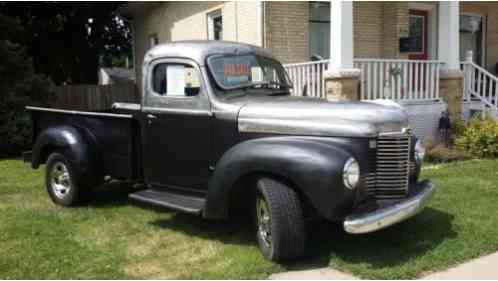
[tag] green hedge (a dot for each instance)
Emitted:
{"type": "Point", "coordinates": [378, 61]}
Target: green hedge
{"type": "Point", "coordinates": [443, 154]}
{"type": "Point", "coordinates": [479, 137]}
{"type": "Point", "coordinates": [19, 86]}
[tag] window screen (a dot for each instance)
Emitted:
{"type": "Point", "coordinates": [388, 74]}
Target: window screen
{"type": "Point", "coordinates": [176, 80]}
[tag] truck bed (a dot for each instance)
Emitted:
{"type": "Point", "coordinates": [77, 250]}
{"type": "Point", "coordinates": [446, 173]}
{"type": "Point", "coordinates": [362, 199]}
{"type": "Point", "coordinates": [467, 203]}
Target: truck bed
{"type": "Point", "coordinates": [114, 133]}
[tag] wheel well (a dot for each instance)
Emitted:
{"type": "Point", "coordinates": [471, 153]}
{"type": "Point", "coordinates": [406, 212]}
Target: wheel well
{"type": "Point", "coordinates": [45, 152]}
{"type": "Point", "coordinates": [243, 193]}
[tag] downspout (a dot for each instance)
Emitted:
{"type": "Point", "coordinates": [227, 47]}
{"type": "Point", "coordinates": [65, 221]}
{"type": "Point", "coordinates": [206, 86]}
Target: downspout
{"type": "Point", "coordinates": [261, 23]}
{"type": "Point", "coordinates": [236, 22]}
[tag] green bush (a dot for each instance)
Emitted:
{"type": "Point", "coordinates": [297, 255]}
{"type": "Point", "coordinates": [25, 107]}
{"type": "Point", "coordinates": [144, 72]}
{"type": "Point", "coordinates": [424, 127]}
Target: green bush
{"type": "Point", "coordinates": [443, 154]}
{"type": "Point", "coordinates": [479, 137]}
{"type": "Point", "coordinates": [19, 86]}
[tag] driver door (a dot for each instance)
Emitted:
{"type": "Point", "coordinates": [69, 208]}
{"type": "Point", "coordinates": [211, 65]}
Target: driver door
{"type": "Point", "coordinates": [177, 129]}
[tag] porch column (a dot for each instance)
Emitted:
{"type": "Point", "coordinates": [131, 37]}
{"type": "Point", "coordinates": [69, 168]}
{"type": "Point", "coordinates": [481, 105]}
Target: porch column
{"type": "Point", "coordinates": [342, 78]}
{"type": "Point", "coordinates": [451, 84]}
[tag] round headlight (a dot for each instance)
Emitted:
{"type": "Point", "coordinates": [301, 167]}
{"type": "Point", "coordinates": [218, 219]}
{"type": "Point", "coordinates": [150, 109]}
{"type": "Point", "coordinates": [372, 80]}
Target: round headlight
{"type": "Point", "coordinates": [351, 173]}
{"type": "Point", "coordinates": [419, 151]}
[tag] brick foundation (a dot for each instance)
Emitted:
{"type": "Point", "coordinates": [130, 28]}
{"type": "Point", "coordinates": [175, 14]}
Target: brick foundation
{"type": "Point", "coordinates": [451, 91]}
{"type": "Point", "coordinates": [342, 84]}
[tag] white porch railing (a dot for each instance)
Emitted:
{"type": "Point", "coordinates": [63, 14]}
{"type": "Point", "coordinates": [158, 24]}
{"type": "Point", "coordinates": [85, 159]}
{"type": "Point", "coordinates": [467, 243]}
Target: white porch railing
{"type": "Point", "coordinates": [307, 78]}
{"type": "Point", "coordinates": [479, 84]}
{"type": "Point", "coordinates": [399, 79]}
{"type": "Point", "coordinates": [380, 78]}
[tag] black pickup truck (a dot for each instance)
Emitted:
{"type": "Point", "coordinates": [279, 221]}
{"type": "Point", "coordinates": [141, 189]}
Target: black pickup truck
{"type": "Point", "coordinates": [217, 130]}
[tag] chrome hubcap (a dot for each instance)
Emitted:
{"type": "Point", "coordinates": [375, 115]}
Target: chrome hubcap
{"type": "Point", "coordinates": [60, 180]}
{"type": "Point", "coordinates": [264, 221]}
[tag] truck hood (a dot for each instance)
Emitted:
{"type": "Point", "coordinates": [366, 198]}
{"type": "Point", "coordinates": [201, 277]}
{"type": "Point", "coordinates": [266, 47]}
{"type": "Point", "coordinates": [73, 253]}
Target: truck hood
{"type": "Point", "coordinates": [318, 117]}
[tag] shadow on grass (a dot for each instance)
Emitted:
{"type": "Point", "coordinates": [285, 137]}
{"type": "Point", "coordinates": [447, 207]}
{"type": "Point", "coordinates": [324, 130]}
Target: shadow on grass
{"type": "Point", "coordinates": [111, 195]}
{"type": "Point", "coordinates": [393, 246]}
{"type": "Point", "coordinates": [386, 248]}
{"type": "Point", "coordinates": [238, 231]}
{"type": "Point", "coordinates": [235, 231]}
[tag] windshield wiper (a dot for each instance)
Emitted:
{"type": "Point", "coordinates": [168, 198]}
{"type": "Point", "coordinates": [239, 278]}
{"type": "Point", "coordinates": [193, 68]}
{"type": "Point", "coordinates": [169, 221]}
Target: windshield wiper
{"type": "Point", "coordinates": [265, 84]}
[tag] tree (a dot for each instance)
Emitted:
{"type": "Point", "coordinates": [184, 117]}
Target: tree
{"type": "Point", "coordinates": [66, 40]}
{"type": "Point", "coordinates": [19, 86]}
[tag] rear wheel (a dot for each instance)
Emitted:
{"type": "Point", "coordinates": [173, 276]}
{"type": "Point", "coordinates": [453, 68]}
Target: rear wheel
{"type": "Point", "coordinates": [281, 231]}
{"type": "Point", "coordinates": [61, 181]}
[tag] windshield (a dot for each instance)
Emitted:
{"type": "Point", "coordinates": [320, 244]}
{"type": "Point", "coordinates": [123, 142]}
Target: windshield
{"type": "Point", "coordinates": [248, 71]}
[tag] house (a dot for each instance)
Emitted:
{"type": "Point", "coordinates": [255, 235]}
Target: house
{"type": "Point", "coordinates": [428, 56]}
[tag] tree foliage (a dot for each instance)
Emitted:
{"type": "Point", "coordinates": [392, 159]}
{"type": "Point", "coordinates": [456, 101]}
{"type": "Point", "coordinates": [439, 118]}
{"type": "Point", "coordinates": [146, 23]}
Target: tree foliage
{"type": "Point", "coordinates": [19, 86]}
{"type": "Point", "coordinates": [67, 40]}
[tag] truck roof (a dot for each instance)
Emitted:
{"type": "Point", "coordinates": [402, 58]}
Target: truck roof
{"type": "Point", "coordinates": [199, 50]}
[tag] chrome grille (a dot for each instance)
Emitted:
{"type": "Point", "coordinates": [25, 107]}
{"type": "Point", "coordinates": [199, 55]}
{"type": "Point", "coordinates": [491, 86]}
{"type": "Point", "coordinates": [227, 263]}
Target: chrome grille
{"type": "Point", "coordinates": [391, 177]}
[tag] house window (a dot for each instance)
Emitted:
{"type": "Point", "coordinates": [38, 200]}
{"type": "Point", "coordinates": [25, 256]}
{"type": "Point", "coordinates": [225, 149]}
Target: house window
{"type": "Point", "coordinates": [153, 40]}
{"type": "Point", "coordinates": [319, 36]}
{"type": "Point", "coordinates": [416, 33]}
{"type": "Point", "coordinates": [215, 25]}
{"type": "Point", "coordinates": [472, 37]}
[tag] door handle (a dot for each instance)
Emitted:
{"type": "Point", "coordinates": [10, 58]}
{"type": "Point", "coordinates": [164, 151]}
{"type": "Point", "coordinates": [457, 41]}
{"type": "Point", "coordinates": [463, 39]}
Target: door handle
{"type": "Point", "coordinates": [150, 117]}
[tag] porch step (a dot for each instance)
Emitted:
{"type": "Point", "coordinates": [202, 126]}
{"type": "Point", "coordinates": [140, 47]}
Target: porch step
{"type": "Point", "coordinates": [187, 203]}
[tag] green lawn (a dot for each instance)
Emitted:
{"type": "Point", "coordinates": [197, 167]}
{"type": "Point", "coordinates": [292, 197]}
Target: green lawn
{"type": "Point", "coordinates": [111, 239]}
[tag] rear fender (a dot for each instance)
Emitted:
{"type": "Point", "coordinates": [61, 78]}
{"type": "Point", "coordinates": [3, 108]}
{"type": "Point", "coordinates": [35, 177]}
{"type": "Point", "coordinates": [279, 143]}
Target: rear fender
{"type": "Point", "coordinates": [76, 145]}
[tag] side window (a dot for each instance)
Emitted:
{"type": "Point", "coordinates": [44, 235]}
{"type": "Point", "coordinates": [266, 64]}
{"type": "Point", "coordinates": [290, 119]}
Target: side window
{"type": "Point", "coordinates": [175, 79]}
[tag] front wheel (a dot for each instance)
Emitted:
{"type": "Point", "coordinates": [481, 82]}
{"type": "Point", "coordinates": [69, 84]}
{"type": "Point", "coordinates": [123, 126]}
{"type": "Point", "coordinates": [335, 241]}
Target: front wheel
{"type": "Point", "coordinates": [281, 230]}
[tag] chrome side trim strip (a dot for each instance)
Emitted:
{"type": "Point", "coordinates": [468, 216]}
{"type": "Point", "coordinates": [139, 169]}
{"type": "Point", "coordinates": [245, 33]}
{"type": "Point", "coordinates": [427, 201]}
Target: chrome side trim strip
{"type": "Point", "coordinates": [126, 105]}
{"type": "Point", "coordinates": [387, 216]}
{"type": "Point", "coordinates": [77, 112]}
{"type": "Point", "coordinates": [177, 110]}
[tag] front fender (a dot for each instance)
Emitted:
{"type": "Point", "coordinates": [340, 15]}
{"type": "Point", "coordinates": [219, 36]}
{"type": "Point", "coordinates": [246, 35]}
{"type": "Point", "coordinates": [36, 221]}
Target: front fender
{"type": "Point", "coordinates": [75, 146]}
{"type": "Point", "coordinates": [314, 165]}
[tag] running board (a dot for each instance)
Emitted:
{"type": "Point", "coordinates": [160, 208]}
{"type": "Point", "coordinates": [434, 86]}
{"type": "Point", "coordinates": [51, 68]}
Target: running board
{"type": "Point", "coordinates": [171, 200]}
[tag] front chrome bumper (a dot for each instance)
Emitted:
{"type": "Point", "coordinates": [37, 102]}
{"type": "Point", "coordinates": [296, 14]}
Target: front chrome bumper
{"type": "Point", "coordinates": [383, 217]}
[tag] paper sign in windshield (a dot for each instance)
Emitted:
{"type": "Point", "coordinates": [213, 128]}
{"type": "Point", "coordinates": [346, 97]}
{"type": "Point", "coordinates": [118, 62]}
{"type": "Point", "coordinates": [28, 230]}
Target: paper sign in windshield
{"type": "Point", "coordinates": [176, 80]}
{"type": "Point", "coordinates": [238, 69]}
{"type": "Point", "coordinates": [237, 73]}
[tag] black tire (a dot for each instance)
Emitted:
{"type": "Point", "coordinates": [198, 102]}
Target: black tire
{"type": "Point", "coordinates": [60, 174]}
{"type": "Point", "coordinates": [287, 239]}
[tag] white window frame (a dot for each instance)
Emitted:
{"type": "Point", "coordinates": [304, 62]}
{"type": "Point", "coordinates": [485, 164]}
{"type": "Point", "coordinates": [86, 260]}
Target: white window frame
{"type": "Point", "coordinates": [210, 22]}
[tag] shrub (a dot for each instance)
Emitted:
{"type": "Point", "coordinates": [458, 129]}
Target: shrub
{"type": "Point", "coordinates": [19, 86]}
{"type": "Point", "coordinates": [443, 154]}
{"type": "Point", "coordinates": [479, 137]}
{"type": "Point", "coordinates": [429, 143]}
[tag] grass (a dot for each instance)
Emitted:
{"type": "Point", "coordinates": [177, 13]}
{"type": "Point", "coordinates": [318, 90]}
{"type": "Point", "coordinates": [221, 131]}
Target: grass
{"type": "Point", "coordinates": [111, 239]}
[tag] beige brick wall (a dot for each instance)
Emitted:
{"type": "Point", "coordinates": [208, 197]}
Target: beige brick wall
{"type": "Point", "coordinates": [395, 26]}
{"type": "Point", "coordinates": [377, 29]}
{"type": "Point", "coordinates": [287, 27]}
{"type": "Point", "coordinates": [188, 20]}
{"type": "Point", "coordinates": [490, 11]}
{"type": "Point", "coordinates": [368, 29]}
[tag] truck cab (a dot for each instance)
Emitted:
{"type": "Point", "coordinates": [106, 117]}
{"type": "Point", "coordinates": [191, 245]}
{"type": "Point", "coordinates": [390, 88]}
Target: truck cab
{"type": "Point", "coordinates": [218, 130]}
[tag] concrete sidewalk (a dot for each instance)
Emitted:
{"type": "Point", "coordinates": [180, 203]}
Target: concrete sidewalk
{"type": "Point", "coordinates": [484, 268]}
{"type": "Point", "coordinates": [313, 274]}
